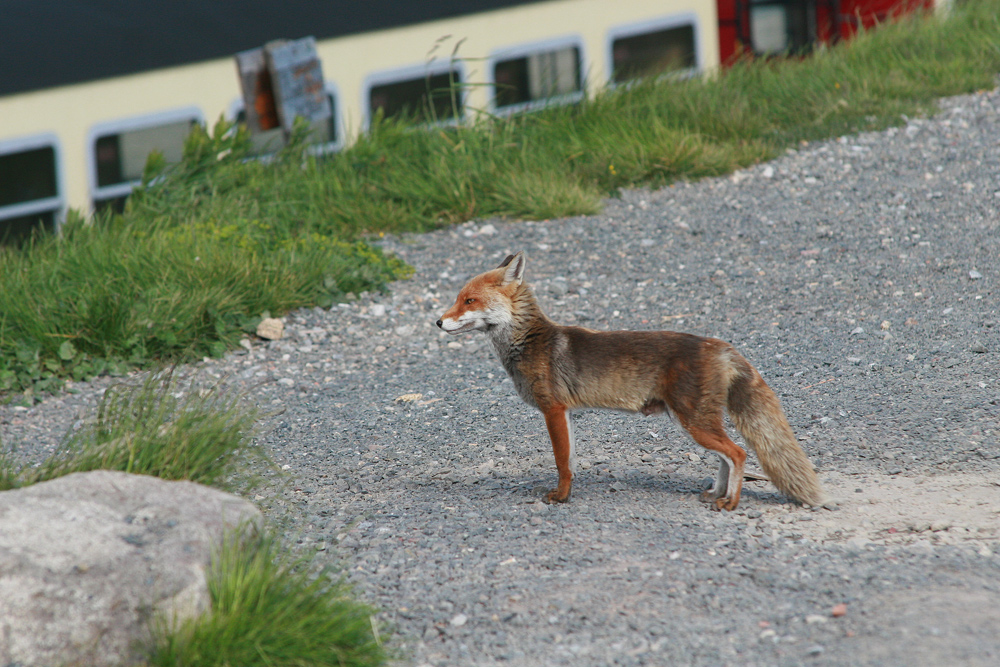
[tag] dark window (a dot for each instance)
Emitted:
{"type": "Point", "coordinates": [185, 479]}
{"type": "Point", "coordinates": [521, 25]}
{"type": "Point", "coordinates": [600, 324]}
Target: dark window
{"type": "Point", "coordinates": [114, 204]}
{"type": "Point", "coordinates": [109, 163]}
{"type": "Point", "coordinates": [121, 157]}
{"type": "Point", "coordinates": [16, 230]}
{"type": "Point", "coordinates": [538, 76]}
{"type": "Point", "coordinates": [435, 97]}
{"type": "Point", "coordinates": [653, 53]}
{"type": "Point", "coordinates": [28, 175]}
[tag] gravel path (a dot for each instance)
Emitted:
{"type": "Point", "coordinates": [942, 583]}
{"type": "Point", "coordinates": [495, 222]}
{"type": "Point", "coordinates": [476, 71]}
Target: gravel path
{"type": "Point", "coordinates": [859, 275]}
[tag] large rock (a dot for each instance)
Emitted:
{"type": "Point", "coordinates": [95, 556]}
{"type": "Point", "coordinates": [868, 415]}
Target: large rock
{"type": "Point", "coordinates": [85, 560]}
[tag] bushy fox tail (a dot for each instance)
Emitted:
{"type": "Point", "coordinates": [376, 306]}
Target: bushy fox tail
{"type": "Point", "coordinates": [757, 414]}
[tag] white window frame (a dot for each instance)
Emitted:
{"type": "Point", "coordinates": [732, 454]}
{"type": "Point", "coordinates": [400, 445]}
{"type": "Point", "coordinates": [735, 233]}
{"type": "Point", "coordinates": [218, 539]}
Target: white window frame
{"type": "Point", "coordinates": [407, 73]}
{"type": "Point", "coordinates": [529, 49]}
{"type": "Point", "coordinates": [99, 193]}
{"type": "Point", "coordinates": [654, 25]}
{"type": "Point", "coordinates": [238, 105]}
{"type": "Point", "coordinates": [56, 204]}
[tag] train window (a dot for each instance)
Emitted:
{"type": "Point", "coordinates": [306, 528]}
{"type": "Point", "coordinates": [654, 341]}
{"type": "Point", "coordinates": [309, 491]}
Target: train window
{"type": "Point", "coordinates": [426, 95]}
{"type": "Point", "coordinates": [781, 26]}
{"type": "Point", "coordinates": [658, 50]}
{"type": "Point", "coordinates": [119, 151]}
{"type": "Point", "coordinates": [30, 193]}
{"type": "Point", "coordinates": [541, 76]}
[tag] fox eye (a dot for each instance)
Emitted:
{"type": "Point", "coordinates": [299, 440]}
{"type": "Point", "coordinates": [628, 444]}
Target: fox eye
{"type": "Point", "coordinates": [470, 300]}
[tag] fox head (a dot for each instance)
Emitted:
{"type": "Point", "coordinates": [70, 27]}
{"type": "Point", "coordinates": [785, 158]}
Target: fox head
{"type": "Point", "coordinates": [486, 301]}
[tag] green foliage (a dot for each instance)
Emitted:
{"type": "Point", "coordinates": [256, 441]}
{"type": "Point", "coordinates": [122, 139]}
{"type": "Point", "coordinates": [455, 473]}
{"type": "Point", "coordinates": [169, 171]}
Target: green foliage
{"type": "Point", "coordinates": [169, 280]}
{"type": "Point", "coordinates": [207, 245]}
{"type": "Point", "coordinates": [9, 470]}
{"type": "Point", "coordinates": [271, 609]}
{"type": "Point", "coordinates": [157, 425]}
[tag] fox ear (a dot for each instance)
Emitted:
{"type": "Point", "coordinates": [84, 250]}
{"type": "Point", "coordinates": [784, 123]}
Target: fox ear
{"type": "Point", "coordinates": [514, 271]}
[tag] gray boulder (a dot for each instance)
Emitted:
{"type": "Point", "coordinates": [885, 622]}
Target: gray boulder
{"type": "Point", "coordinates": [86, 560]}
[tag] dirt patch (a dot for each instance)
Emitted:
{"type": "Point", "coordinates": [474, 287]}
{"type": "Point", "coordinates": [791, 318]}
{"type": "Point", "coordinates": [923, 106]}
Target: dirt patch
{"type": "Point", "coordinates": [938, 626]}
{"type": "Point", "coordinates": [893, 510]}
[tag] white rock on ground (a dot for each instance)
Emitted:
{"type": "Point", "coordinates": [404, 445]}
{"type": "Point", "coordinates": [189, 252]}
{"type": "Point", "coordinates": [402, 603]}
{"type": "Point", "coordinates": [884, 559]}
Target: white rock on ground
{"type": "Point", "coordinates": [85, 560]}
{"type": "Point", "coordinates": [271, 328]}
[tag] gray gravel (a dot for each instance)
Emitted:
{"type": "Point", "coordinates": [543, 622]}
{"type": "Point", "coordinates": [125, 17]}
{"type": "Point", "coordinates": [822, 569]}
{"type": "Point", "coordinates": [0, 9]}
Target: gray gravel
{"type": "Point", "coordinates": [859, 275]}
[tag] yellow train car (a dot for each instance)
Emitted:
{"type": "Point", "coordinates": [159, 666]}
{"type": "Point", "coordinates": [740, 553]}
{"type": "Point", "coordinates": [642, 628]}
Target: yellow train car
{"type": "Point", "coordinates": [97, 86]}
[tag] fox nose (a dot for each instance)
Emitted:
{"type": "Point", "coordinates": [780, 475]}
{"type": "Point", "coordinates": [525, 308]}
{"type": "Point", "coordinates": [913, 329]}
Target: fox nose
{"type": "Point", "coordinates": [439, 323]}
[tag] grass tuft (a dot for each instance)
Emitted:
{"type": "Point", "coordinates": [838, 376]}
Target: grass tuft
{"type": "Point", "coordinates": [273, 610]}
{"type": "Point", "coordinates": [159, 426]}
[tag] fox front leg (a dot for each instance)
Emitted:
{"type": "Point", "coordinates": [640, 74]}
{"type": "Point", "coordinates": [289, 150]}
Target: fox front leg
{"type": "Point", "coordinates": [557, 420]}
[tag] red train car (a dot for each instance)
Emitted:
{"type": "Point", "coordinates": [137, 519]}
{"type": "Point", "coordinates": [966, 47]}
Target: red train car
{"type": "Point", "coordinates": [773, 27]}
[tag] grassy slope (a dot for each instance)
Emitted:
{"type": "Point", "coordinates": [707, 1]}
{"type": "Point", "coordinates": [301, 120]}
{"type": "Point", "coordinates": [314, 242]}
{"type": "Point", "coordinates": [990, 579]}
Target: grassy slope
{"type": "Point", "coordinates": [211, 244]}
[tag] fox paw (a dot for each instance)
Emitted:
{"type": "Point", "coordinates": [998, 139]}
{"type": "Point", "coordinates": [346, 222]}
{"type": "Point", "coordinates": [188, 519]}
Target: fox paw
{"type": "Point", "coordinates": [720, 502]}
{"type": "Point", "coordinates": [555, 496]}
{"type": "Point", "coordinates": [709, 496]}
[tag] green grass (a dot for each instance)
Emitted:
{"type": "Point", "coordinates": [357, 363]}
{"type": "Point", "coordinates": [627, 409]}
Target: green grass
{"type": "Point", "coordinates": [208, 246]}
{"type": "Point", "coordinates": [157, 425]}
{"type": "Point", "coordinates": [270, 609]}
{"type": "Point", "coordinates": [148, 287]}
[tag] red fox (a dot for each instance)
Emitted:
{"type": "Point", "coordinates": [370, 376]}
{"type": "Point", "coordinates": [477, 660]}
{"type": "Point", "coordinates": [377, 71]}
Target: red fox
{"type": "Point", "coordinates": [558, 369]}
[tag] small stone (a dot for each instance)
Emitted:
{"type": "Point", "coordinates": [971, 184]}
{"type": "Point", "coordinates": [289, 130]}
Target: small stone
{"type": "Point", "coordinates": [813, 619]}
{"type": "Point", "coordinates": [978, 348]}
{"type": "Point", "coordinates": [271, 328]}
{"type": "Point", "coordinates": [245, 344]}
{"type": "Point", "coordinates": [839, 609]}
{"type": "Point", "coordinates": [815, 650]}
{"type": "Point", "coordinates": [559, 287]}
{"type": "Point", "coordinates": [287, 382]}
{"type": "Point", "coordinates": [975, 275]}
{"type": "Point", "coordinates": [377, 310]}
{"type": "Point", "coordinates": [858, 542]}
{"type": "Point", "coordinates": [459, 620]}
{"type": "Point", "coordinates": [487, 230]}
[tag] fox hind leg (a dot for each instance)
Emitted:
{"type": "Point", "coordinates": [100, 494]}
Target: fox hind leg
{"type": "Point", "coordinates": [725, 495]}
{"type": "Point", "coordinates": [721, 486]}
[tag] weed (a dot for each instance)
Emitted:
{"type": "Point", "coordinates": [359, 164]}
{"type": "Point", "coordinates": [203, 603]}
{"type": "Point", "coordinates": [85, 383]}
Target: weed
{"type": "Point", "coordinates": [157, 425]}
{"type": "Point", "coordinates": [273, 610]}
